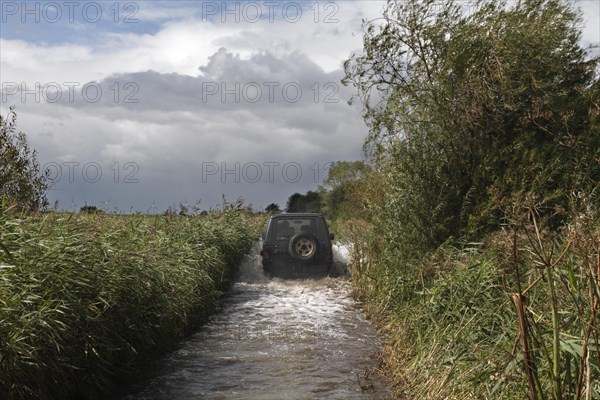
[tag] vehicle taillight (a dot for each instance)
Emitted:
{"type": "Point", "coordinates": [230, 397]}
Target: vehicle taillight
{"type": "Point", "coordinates": [264, 253]}
{"type": "Point", "coordinates": [328, 254]}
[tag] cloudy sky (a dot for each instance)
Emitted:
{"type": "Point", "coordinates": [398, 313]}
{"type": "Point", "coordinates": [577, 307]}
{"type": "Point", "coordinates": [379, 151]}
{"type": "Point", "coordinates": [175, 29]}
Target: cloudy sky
{"type": "Point", "coordinates": [137, 106]}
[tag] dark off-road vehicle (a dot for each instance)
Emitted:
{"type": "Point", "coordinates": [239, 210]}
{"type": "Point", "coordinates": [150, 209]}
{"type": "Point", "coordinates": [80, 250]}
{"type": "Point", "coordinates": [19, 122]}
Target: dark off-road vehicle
{"type": "Point", "coordinates": [296, 244]}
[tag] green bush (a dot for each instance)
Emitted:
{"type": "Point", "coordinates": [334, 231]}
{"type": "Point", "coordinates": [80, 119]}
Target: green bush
{"type": "Point", "coordinates": [22, 184]}
{"type": "Point", "coordinates": [483, 127]}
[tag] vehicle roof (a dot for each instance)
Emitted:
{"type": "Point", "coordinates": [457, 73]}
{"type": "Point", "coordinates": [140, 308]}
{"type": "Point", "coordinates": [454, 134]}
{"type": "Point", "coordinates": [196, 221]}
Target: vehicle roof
{"type": "Point", "coordinates": [296, 215]}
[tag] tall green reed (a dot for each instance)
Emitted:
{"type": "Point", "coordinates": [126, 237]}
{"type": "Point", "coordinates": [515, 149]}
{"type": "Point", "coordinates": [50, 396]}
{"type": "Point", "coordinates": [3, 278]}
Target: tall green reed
{"type": "Point", "coordinates": [85, 298]}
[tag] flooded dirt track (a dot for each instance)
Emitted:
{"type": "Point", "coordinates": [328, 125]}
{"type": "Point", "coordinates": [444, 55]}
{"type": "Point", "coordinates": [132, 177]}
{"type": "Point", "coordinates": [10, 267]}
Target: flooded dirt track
{"type": "Point", "coordinates": [274, 339]}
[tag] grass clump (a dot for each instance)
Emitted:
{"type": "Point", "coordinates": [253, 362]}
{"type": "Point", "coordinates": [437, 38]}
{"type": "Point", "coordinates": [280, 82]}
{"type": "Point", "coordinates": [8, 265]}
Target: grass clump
{"type": "Point", "coordinates": [87, 297]}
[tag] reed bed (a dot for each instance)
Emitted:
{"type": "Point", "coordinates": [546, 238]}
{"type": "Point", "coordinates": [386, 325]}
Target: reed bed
{"type": "Point", "coordinates": [85, 298]}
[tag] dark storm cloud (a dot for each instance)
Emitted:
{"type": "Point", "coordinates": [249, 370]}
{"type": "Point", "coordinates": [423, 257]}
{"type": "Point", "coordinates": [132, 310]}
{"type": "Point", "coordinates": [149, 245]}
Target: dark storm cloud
{"type": "Point", "coordinates": [188, 145]}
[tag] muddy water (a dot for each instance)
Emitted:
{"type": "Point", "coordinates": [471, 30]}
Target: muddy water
{"type": "Point", "coordinates": [275, 339]}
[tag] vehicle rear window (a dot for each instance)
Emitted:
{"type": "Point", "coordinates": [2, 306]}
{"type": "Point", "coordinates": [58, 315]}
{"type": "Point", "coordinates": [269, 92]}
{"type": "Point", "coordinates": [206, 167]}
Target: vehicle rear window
{"type": "Point", "coordinates": [287, 228]}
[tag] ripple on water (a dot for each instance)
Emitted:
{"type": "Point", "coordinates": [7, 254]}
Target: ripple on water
{"type": "Point", "coordinates": [274, 339]}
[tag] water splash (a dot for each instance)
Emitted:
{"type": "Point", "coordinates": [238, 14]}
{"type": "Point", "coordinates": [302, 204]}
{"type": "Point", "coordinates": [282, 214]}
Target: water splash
{"type": "Point", "coordinates": [251, 270]}
{"type": "Point", "coordinates": [276, 339]}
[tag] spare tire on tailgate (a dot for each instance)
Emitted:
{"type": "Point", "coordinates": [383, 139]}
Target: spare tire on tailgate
{"type": "Point", "coordinates": [303, 246]}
